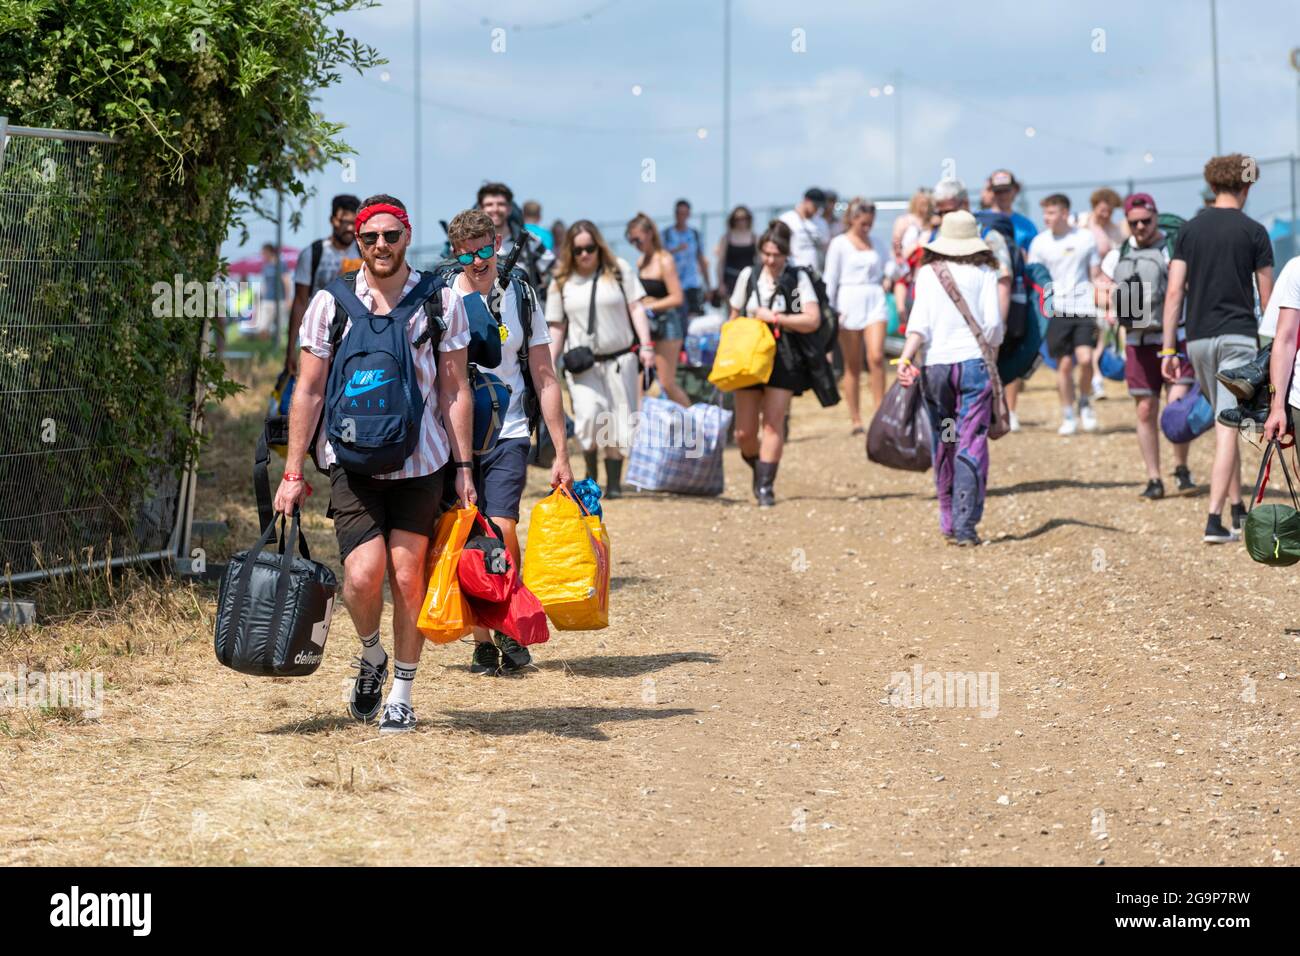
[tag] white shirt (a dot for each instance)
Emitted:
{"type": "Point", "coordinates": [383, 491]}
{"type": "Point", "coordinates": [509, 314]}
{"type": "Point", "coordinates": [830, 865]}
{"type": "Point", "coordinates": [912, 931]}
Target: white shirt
{"type": "Point", "coordinates": [808, 240]}
{"type": "Point", "coordinates": [763, 293]}
{"type": "Point", "coordinates": [1069, 258]}
{"type": "Point", "coordinates": [433, 450]}
{"type": "Point", "coordinates": [1286, 295]}
{"type": "Point", "coordinates": [936, 319]}
{"type": "Point", "coordinates": [613, 328]}
{"type": "Point", "coordinates": [846, 264]}
{"type": "Point", "coordinates": [516, 421]}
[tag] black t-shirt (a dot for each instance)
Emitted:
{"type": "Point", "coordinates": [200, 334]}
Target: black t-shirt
{"type": "Point", "coordinates": [1223, 248]}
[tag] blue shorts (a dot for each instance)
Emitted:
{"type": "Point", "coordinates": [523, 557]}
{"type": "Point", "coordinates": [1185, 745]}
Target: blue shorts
{"type": "Point", "coordinates": [500, 478]}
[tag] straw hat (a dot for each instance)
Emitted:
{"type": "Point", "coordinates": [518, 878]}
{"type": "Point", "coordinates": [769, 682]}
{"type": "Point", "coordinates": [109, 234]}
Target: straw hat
{"type": "Point", "coordinates": [959, 235]}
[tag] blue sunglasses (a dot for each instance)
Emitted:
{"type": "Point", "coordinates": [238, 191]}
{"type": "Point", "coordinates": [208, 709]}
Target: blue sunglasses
{"type": "Point", "coordinates": [467, 258]}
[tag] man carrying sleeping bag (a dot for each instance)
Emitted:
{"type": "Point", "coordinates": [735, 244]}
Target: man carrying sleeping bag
{"type": "Point", "coordinates": [382, 402]}
{"type": "Point", "coordinates": [515, 392]}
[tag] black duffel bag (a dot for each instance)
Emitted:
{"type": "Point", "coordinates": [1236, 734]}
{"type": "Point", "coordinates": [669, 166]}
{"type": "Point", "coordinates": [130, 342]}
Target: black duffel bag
{"type": "Point", "coordinates": [273, 609]}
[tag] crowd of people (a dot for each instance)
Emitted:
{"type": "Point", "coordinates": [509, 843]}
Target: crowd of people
{"type": "Point", "coordinates": [957, 280]}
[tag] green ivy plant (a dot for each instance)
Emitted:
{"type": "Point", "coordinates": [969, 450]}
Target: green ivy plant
{"type": "Point", "coordinates": [213, 102]}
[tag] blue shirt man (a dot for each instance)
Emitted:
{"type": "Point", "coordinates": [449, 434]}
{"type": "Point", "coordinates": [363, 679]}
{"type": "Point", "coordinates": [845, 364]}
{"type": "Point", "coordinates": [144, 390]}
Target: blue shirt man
{"type": "Point", "coordinates": [683, 242]}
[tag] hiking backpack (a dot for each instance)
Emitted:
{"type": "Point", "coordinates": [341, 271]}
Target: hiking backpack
{"type": "Point", "coordinates": [1141, 281]}
{"type": "Point", "coordinates": [373, 406]}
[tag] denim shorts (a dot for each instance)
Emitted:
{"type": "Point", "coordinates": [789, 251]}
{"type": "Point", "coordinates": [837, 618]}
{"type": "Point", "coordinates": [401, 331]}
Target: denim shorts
{"type": "Point", "coordinates": [668, 326]}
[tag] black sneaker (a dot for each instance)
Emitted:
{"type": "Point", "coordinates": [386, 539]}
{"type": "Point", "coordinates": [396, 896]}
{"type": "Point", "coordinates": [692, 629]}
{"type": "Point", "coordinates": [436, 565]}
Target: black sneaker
{"type": "Point", "coordinates": [1238, 518]}
{"type": "Point", "coordinates": [1216, 533]}
{"type": "Point", "coordinates": [1183, 476]}
{"type": "Point", "coordinates": [398, 719]}
{"type": "Point", "coordinates": [1155, 490]}
{"type": "Point", "coordinates": [487, 659]}
{"type": "Point", "coordinates": [514, 656]}
{"type": "Point", "coordinates": [367, 689]}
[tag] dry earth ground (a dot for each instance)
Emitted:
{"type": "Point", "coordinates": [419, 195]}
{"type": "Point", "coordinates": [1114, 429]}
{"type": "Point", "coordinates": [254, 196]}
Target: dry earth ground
{"type": "Point", "coordinates": [737, 710]}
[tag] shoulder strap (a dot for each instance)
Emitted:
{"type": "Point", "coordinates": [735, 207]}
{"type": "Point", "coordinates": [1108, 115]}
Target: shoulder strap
{"type": "Point", "coordinates": [751, 288]}
{"type": "Point", "coordinates": [341, 315]}
{"type": "Point", "coordinates": [524, 304]}
{"type": "Point", "coordinates": [435, 323]}
{"type": "Point", "coordinates": [317, 249]}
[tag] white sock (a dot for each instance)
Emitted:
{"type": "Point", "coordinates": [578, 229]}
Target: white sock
{"type": "Point", "coordinates": [372, 652]}
{"type": "Point", "coordinates": [1067, 413]}
{"type": "Point", "coordinates": [403, 678]}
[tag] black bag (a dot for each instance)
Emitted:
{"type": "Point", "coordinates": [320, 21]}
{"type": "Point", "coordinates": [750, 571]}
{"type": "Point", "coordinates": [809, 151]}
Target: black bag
{"type": "Point", "coordinates": [899, 434]}
{"type": "Point", "coordinates": [273, 609]}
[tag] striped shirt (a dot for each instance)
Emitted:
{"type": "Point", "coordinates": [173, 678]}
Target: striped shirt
{"type": "Point", "coordinates": [433, 450]}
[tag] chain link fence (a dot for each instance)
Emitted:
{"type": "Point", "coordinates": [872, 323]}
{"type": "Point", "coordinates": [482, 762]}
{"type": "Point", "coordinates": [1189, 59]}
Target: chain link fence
{"type": "Point", "coordinates": [60, 248]}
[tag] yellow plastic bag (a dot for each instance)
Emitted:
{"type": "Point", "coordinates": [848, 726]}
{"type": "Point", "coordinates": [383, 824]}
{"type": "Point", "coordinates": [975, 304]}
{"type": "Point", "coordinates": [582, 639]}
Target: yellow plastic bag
{"type": "Point", "coordinates": [566, 564]}
{"type": "Point", "coordinates": [746, 354]}
{"type": "Point", "coordinates": [445, 615]}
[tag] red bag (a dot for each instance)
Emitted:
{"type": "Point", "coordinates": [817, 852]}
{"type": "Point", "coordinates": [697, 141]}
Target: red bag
{"type": "Point", "coordinates": [499, 599]}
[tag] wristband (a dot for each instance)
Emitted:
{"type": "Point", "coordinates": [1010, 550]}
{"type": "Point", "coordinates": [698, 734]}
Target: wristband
{"type": "Point", "coordinates": [464, 464]}
{"type": "Point", "coordinates": [900, 362]}
{"type": "Point", "coordinates": [292, 476]}
{"type": "Point", "coordinates": [644, 347]}
{"type": "Point", "coordinates": [1167, 353]}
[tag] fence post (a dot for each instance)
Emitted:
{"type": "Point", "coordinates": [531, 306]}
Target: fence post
{"type": "Point", "coordinates": [1295, 240]}
{"type": "Point", "coordinates": [4, 140]}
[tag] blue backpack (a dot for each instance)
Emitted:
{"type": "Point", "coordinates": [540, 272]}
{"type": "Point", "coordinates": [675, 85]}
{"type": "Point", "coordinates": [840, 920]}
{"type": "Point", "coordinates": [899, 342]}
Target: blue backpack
{"type": "Point", "coordinates": [373, 406]}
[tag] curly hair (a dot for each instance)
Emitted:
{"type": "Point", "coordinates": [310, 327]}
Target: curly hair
{"type": "Point", "coordinates": [468, 225]}
{"type": "Point", "coordinates": [1106, 195]}
{"type": "Point", "coordinates": [1231, 173]}
{"type": "Point", "coordinates": [986, 258]}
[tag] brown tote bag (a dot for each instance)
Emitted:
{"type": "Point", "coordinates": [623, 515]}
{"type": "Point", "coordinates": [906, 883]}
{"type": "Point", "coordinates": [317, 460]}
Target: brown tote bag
{"type": "Point", "coordinates": [1000, 420]}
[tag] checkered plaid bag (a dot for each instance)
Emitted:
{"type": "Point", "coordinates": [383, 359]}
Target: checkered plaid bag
{"type": "Point", "coordinates": [678, 449]}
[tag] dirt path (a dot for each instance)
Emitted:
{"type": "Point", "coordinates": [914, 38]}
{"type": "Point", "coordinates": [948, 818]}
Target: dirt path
{"type": "Point", "coordinates": [738, 709]}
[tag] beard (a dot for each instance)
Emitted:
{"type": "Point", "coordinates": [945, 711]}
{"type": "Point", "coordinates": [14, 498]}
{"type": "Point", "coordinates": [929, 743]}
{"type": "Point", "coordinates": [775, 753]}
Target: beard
{"type": "Point", "coordinates": [383, 268]}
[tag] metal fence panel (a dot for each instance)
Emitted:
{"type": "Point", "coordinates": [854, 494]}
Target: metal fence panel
{"type": "Point", "coordinates": [60, 248]}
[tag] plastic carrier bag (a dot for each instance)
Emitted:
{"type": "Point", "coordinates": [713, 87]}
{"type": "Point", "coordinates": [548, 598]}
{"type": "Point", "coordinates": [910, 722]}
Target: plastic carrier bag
{"type": "Point", "coordinates": [445, 615]}
{"type": "Point", "coordinates": [746, 354]}
{"type": "Point", "coordinates": [567, 562]}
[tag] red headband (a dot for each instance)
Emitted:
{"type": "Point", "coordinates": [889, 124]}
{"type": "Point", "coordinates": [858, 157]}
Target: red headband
{"type": "Point", "coordinates": [380, 207]}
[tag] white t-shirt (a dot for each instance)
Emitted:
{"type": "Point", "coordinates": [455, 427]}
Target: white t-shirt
{"type": "Point", "coordinates": [846, 264]}
{"type": "Point", "coordinates": [947, 337]}
{"type": "Point", "coordinates": [1069, 258]}
{"type": "Point", "coordinates": [613, 328]}
{"type": "Point", "coordinates": [808, 239]}
{"type": "Point", "coordinates": [516, 422]}
{"type": "Point", "coordinates": [763, 293]}
{"type": "Point", "coordinates": [333, 263]}
{"type": "Point", "coordinates": [1286, 295]}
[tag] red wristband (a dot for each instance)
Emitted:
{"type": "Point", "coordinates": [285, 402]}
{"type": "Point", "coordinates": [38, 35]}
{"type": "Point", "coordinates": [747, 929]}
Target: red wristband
{"type": "Point", "coordinates": [292, 476]}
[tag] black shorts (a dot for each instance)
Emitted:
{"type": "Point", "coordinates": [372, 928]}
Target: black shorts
{"type": "Point", "coordinates": [499, 478]}
{"type": "Point", "coordinates": [694, 301]}
{"type": "Point", "coordinates": [1064, 335]}
{"type": "Point", "coordinates": [785, 374]}
{"type": "Point", "coordinates": [364, 507]}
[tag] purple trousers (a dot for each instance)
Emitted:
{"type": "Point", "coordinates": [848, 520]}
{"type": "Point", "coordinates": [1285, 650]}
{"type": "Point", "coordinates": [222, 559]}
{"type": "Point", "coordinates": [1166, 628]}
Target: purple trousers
{"type": "Point", "coordinates": [959, 398]}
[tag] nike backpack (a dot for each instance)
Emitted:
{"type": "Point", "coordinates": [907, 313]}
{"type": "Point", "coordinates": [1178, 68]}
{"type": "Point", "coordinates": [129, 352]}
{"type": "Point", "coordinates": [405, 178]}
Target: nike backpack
{"type": "Point", "coordinates": [373, 405]}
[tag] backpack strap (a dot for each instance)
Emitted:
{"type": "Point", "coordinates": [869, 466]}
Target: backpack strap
{"type": "Point", "coordinates": [317, 250]}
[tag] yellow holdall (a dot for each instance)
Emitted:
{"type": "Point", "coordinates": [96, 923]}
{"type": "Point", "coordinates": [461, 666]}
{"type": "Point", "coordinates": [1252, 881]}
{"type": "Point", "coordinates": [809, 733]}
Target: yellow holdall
{"type": "Point", "coordinates": [445, 615]}
{"type": "Point", "coordinates": [746, 354]}
{"type": "Point", "coordinates": [566, 563]}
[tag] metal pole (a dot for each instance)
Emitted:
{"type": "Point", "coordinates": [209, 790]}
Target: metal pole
{"type": "Point", "coordinates": [4, 140]}
{"type": "Point", "coordinates": [1214, 46]}
{"type": "Point", "coordinates": [279, 265]}
{"type": "Point", "coordinates": [419, 142]}
{"type": "Point", "coordinates": [726, 107]}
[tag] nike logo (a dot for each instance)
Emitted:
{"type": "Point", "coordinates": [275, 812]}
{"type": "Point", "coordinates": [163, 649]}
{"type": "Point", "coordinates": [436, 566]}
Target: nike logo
{"type": "Point", "coordinates": [363, 382]}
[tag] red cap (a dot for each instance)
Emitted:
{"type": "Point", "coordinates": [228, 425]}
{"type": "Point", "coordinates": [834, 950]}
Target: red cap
{"type": "Point", "coordinates": [1139, 201]}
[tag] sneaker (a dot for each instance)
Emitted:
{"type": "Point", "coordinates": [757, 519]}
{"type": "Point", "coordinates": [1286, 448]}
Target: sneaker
{"type": "Point", "coordinates": [1183, 476]}
{"type": "Point", "coordinates": [368, 689]}
{"type": "Point", "coordinates": [1216, 533]}
{"type": "Point", "coordinates": [399, 718]}
{"type": "Point", "coordinates": [1068, 427]}
{"type": "Point", "coordinates": [1015, 422]}
{"type": "Point", "coordinates": [1089, 418]}
{"type": "Point", "coordinates": [1238, 519]}
{"type": "Point", "coordinates": [487, 659]}
{"type": "Point", "coordinates": [514, 656]}
{"type": "Point", "coordinates": [971, 541]}
{"type": "Point", "coordinates": [1155, 490]}
{"type": "Point", "coordinates": [1098, 389]}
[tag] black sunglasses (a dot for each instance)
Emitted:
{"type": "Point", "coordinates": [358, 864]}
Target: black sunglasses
{"type": "Point", "coordinates": [583, 250]}
{"type": "Point", "coordinates": [390, 236]}
{"type": "Point", "coordinates": [1141, 221]}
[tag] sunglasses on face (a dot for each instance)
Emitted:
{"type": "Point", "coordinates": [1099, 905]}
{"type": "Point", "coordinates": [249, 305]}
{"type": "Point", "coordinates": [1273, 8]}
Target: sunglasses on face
{"type": "Point", "coordinates": [390, 236]}
{"type": "Point", "coordinates": [1140, 221]}
{"type": "Point", "coordinates": [467, 258]}
{"type": "Point", "coordinates": [635, 240]}
{"type": "Point", "coordinates": [584, 250]}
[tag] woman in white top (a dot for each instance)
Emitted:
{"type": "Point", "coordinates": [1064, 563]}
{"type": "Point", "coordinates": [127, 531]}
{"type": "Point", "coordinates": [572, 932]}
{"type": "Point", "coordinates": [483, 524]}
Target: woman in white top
{"type": "Point", "coordinates": [955, 381]}
{"type": "Point", "coordinates": [593, 307]}
{"type": "Point", "coordinates": [785, 299]}
{"type": "Point", "coordinates": [855, 275]}
{"type": "Point", "coordinates": [909, 229]}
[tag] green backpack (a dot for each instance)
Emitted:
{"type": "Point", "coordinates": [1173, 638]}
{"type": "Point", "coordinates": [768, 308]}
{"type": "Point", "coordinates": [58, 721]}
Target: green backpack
{"type": "Point", "coordinates": [1273, 531]}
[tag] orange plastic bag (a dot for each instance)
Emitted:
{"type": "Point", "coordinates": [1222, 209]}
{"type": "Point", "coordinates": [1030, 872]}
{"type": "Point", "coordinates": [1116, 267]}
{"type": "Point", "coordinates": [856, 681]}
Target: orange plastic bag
{"type": "Point", "coordinates": [445, 615]}
{"type": "Point", "coordinates": [567, 563]}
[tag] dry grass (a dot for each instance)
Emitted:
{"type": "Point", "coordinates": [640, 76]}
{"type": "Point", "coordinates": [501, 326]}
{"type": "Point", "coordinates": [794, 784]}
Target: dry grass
{"type": "Point", "coordinates": [736, 710]}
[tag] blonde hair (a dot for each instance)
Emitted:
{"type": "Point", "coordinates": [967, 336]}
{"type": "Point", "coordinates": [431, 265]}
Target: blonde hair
{"type": "Point", "coordinates": [642, 221]}
{"type": "Point", "coordinates": [566, 262]}
{"type": "Point", "coordinates": [857, 206]}
{"type": "Point", "coordinates": [921, 205]}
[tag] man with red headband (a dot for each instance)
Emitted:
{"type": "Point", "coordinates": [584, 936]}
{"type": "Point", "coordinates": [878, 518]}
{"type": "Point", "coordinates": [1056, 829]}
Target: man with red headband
{"type": "Point", "coordinates": [385, 521]}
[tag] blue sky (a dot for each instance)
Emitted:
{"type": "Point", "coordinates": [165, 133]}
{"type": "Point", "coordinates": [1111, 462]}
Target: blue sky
{"type": "Point", "coordinates": [564, 126]}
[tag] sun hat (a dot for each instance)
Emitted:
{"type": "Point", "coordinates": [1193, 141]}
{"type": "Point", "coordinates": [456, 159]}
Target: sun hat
{"type": "Point", "coordinates": [959, 235]}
